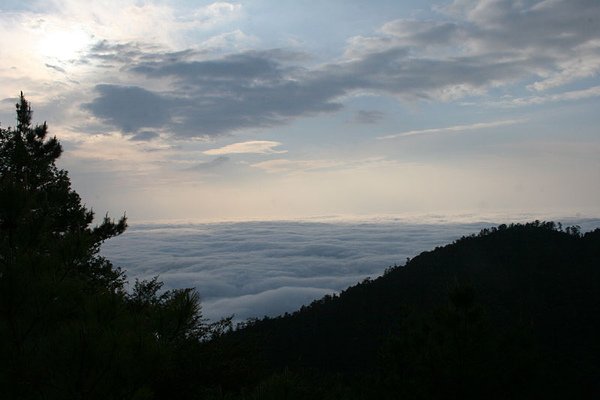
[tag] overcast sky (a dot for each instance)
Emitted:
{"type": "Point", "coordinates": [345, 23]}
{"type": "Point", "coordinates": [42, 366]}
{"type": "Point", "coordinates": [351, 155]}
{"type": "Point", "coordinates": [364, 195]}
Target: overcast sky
{"type": "Point", "coordinates": [193, 110]}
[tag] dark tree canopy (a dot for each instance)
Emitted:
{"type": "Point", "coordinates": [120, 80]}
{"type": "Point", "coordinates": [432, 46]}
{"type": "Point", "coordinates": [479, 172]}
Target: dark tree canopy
{"type": "Point", "coordinates": [40, 214]}
{"type": "Point", "coordinates": [68, 328]}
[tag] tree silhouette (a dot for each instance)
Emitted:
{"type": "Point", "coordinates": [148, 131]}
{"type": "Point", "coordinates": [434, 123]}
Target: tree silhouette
{"type": "Point", "coordinates": [68, 328]}
{"type": "Point", "coordinates": [40, 215]}
{"type": "Point", "coordinates": [51, 275]}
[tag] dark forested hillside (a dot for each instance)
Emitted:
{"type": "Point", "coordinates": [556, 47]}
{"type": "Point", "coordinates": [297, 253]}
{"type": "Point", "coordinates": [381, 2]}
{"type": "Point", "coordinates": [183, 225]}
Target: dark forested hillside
{"type": "Point", "coordinates": [513, 311]}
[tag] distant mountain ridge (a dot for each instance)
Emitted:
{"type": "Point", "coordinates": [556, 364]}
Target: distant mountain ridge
{"type": "Point", "coordinates": [515, 303]}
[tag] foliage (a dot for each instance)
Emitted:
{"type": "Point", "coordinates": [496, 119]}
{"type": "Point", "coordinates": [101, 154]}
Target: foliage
{"type": "Point", "coordinates": [508, 313]}
{"type": "Point", "coordinates": [41, 217]}
{"type": "Point", "coordinates": [68, 329]}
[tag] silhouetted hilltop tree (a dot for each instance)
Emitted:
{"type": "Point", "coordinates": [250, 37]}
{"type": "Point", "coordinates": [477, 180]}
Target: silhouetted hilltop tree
{"type": "Point", "coordinates": [41, 217]}
{"type": "Point", "coordinates": [68, 329]}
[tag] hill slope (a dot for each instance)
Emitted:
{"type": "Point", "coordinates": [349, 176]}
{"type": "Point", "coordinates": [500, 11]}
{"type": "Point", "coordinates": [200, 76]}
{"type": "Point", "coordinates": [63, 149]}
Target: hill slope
{"type": "Point", "coordinates": [511, 311]}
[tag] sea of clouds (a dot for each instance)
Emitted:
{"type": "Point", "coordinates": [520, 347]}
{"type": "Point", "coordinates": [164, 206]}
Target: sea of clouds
{"type": "Point", "coordinates": [253, 269]}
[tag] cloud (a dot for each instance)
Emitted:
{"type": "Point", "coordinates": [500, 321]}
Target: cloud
{"type": "Point", "coordinates": [130, 20]}
{"type": "Point", "coordinates": [56, 68]}
{"type": "Point", "coordinates": [271, 302]}
{"type": "Point", "coordinates": [469, 49]}
{"type": "Point", "coordinates": [238, 67]}
{"type": "Point", "coordinates": [216, 13]}
{"type": "Point", "coordinates": [559, 36]}
{"type": "Point", "coordinates": [250, 147]}
{"type": "Point", "coordinates": [565, 96]}
{"type": "Point", "coordinates": [130, 108]}
{"type": "Point", "coordinates": [236, 40]}
{"type": "Point", "coordinates": [215, 96]}
{"type": "Point", "coordinates": [10, 100]}
{"type": "Point", "coordinates": [212, 164]}
{"type": "Point", "coordinates": [455, 128]}
{"type": "Point", "coordinates": [272, 267]}
{"type": "Point", "coordinates": [144, 136]}
{"type": "Point", "coordinates": [484, 47]}
{"type": "Point", "coordinates": [261, 268]}
{"type": "Point", "coordinates": [552, 40]}
{"type": "Point", "coordinates": [404, 33]}
{"type": "Point", "coordinates": [117, 54]}
{"type": "Point", "coordinates": [367, 116]}
{"type": "Point", "coordinates": [283, 165]}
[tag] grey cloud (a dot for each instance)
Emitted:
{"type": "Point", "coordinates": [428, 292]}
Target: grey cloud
{"type": "Point", "coordinates": [56, 68]}
{"type": "Point", "coordinates": [547, 26]}
{"type": "Point", "coordinates": [492, 43]}
{"type": "Point", "coordinates": [215, 97]}
{"type": "Point", "coordinates": [209, 165]}
{"type": "Point", "coordinates": [367, 116]}
{"type": "Point", "coordinates": [424, 33]}
{"type": "Point", "coordinates": [106, 52]}
{"type": "Point", "coordinates": [238, 67]}
{"type": "Point", "coordinates": [7, 114]}
{"type": "Point", "coordinates": [144, 136]}
{"type": "Point", "coordinates": [130, 108]}
{"type": "Point", "coordinates": [122, 56]}
{"type": "Point", "coordinates": [260, 105]}
{"type": "Point", "coordinates": [390, 72]}
{"type": "Point", "coordinates": [486, 44]}
{"type": "Point", "coordinates": [271, 302]}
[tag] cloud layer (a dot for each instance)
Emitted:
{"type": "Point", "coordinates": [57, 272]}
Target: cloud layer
{"type": "Point", "coordinates": [252, 269]}
{"type": "Point", "coordinates": [472, 48]}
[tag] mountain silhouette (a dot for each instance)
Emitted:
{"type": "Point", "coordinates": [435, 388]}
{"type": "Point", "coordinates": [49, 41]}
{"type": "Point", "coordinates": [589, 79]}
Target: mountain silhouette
{"type": "Point", "coordinates": [512, 311]}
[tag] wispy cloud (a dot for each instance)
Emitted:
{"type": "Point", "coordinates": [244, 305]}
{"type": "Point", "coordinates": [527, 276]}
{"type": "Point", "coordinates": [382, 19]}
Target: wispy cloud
{"type": "Point", "coordinates": [367, 116]}
{"type": "Point", "coordinates": [250, 147]}
{"type": "Point", "coordinates": [144, 136]}
{"type": "Point", "coordinates": [209, 165]}
{"type": "Point", "coordinates": [454, 128]}
{"type": "Point", "coordinates": [216, 13]}
{"type": "Point", "coordinates": [550, 98]}
{"type": "Point", "coordinates": [284, 165]}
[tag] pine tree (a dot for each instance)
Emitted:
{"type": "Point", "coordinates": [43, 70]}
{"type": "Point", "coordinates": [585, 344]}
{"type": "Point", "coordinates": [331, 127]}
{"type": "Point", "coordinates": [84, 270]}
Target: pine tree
{"type": "Point", "coordinates": [56, 290]}
{"type": "Point", "coordinates": [68, 328]}
{"type": "Point", "coordinates": [40, 215]}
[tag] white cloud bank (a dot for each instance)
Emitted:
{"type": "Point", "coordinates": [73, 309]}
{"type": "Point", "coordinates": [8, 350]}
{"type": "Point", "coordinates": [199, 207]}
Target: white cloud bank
{"type": "Point", "coordinates": [252, 269]}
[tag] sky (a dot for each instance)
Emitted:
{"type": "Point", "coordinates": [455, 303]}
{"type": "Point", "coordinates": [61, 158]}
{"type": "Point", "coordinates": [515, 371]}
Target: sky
{"type": "Point", "coordinates": [208, 111]}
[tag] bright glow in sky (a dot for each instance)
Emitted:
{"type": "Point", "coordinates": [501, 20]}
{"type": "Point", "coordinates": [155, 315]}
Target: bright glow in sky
{"type": "Point", "coordinates": [264, 110]}
{"type": "Point", "coordinates": [62, 45]}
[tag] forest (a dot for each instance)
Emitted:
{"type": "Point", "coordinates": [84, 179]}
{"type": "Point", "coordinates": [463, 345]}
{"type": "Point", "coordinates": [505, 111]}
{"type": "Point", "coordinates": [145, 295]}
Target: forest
{"type": "Point", "coordinates": [510, 312]}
